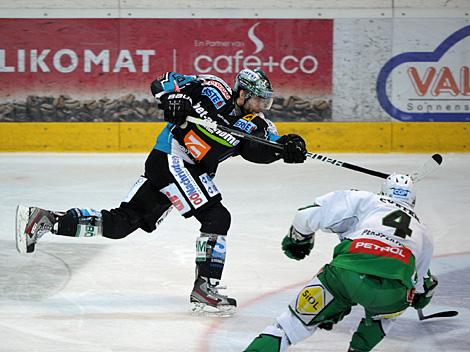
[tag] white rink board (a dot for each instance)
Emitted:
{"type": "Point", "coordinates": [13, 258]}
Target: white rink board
{"type": "Point", "coordinates": [231, 4]}
{"type": "Point", "coordinates": [95, 295]}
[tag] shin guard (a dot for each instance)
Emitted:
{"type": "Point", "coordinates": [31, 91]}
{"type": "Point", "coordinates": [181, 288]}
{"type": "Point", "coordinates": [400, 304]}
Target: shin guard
{"type": "Point", "coordinates": [210, 255]}
{"type": "Point", "coordinates": [80, 223]}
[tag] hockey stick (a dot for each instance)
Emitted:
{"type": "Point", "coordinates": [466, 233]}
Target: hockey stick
{"type": "Point", "coordinates": [427, 168]}
{"type": "Point", "coordinates": [214, 126]}
{"type": "Point", "coordinates": [443, 314]}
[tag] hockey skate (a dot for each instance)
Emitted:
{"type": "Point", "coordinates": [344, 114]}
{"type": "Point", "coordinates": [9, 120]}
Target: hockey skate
{"type": "Point", "coordinates": [31, 224]}
{"type": "Point", "coordinates": [206, 299]}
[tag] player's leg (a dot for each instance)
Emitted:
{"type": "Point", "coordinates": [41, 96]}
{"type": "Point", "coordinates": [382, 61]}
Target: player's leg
{"type": "Point", "coordinates": [383, 300]}
{"type": "Point", "coordinates": [193, 193]}
{"type": "Point", "coordinates": [144, 208]}
{"type": "Point", "coordinates": [369, 333]}
{"type": "Point", "coordinates": [210, 260]}
{"type": "Point", "coordinates": [317, 305]}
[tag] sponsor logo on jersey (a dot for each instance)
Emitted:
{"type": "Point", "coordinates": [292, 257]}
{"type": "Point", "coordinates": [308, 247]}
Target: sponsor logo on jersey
{"type": "Point", "coordinates": [219, 136]}
{"type": "Point", "coordinates": [245, 126]}
{"type": "Point", "coordinates": [220, 87]}
{"type": "Point", "coordinates": [176, 198]}
{"type": "Point", "coordinates": [311, 300]}
{"type": "Point", "coordinates": [187, 182]}
{"type": "Point", "coordinates": [196, 146]}
{"type": "Point", "coordinates": [209, 185]}
{"type": "Point", "coordinates": [368, 232]}
{"type": "Point", "coordinates": [378, 248]}
{"type": "Point", "coordinates": [214, 96]}
{"type": "Point", "coordinates": [178, 96]}
{"type": "Point", "coordinates": [249, 117]}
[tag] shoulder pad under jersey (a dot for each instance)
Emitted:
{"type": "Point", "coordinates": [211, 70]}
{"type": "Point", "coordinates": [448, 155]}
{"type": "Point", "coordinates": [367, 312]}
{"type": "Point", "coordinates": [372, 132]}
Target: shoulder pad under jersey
{"type": "Point", "coordinates": [173, 82]}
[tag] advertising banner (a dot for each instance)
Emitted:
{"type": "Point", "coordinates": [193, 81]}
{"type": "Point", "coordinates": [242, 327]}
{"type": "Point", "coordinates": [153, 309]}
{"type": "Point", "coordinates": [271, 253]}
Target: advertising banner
{"type": "Point", "coordinates": [428, 79]}
{"type": "Point", "coordinates": [101, 69]}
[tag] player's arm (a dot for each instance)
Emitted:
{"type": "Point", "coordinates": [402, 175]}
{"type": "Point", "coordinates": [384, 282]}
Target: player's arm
{"type": "Point", "coordinates": [299, 241]}
{"type": "Point", "coordinates": [294, 145]}
{"type": "Point", "coordinates": [332, 212]}
{"type": "Point", "coordinates": [426, 282]}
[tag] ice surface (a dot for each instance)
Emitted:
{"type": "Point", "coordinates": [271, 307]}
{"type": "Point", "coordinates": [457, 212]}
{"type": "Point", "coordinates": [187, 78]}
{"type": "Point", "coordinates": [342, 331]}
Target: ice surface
{"type": "Point", "coordinates": [98, 295]}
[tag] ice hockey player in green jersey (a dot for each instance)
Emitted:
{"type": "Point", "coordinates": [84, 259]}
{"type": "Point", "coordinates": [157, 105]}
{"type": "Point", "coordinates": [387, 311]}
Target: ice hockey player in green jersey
{"type": "Point", "coordinates": [382, 264]}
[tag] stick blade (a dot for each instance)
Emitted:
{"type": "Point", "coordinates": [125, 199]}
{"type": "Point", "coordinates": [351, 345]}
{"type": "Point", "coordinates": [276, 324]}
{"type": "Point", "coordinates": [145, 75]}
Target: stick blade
{"type": "Point", "coordinates": [427, 168]}
{"type": "Point", "coordinates": [444, 314]}
{"type": "Point", "coordinates": [447, 314]}
{"type": "Point", "coordinates": [437, 158]}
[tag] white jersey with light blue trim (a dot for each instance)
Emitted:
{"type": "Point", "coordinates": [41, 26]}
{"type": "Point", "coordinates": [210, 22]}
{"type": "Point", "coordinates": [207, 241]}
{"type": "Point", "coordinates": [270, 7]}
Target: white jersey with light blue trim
{"type": "Point", "coordinates": [212, 100]}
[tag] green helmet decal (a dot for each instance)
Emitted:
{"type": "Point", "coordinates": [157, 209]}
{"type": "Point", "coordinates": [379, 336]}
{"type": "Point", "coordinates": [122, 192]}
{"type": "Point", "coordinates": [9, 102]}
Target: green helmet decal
{"type": "Point", "coordinates": [255, 82]}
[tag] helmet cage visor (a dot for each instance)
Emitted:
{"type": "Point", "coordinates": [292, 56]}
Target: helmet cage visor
{"type": "Point", "coordinates": [255, 103]}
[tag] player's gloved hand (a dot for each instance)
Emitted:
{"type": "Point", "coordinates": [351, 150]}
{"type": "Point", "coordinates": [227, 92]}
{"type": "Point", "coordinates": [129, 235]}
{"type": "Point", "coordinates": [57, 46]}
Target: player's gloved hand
{"type": "Point", "coordinates": [294, 148]}
{"type": "Point", "coordinates": [176, 107]}
{"type": "Point", "coordinates": [296, 245]}
{"type": "Point", "coordinates": [421, 300]}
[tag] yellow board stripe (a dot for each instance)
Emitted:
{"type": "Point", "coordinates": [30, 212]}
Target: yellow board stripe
{"type": "Point", "coordinates": [354, 137]}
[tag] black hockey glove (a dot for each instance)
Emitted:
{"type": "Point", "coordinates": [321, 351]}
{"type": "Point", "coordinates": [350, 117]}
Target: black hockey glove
{"type": "Point", "coordinates": [294, 148]}
{"type": "Point", "coordinates": [296, 245]}
{"type": "Point", "coordinates": [421, 300]}
{"type": "Point", "coordinates": [176, 107]}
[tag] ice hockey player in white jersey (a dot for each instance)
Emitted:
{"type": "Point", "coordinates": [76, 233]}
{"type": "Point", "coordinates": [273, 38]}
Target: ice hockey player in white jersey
{"type": "Point", "coordinates": [382, 264]}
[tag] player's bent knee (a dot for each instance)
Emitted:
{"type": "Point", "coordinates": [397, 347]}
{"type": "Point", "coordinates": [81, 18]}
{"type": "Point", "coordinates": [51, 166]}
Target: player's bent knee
{"type": "Point", "coordinates": [215, 219]}
{"type": "Point", "coordinates": [313, 307]}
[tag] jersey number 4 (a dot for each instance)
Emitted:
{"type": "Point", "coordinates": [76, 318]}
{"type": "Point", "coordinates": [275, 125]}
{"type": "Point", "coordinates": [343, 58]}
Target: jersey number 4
{"type": "Point", "coordinates": [400, 221]}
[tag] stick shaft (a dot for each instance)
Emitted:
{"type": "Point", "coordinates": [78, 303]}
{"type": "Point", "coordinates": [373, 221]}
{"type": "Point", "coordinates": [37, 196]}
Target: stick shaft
{"type": "Point", "coordinates": [214, 125]}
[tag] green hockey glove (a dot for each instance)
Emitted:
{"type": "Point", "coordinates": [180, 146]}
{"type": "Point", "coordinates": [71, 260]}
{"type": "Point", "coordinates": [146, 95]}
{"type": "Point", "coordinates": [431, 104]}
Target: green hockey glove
{"type": "Point", "coordinates": [297, 246]}
{"type": "Point", "coordinates": [421, 300]}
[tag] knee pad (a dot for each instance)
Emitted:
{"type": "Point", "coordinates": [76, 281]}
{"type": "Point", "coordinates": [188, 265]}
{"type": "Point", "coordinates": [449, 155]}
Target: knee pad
{"type": "Point", "coordinates": [80, 223]}
{"type": "Point", "coordinates": [215, 219]}
{"type": "Point", "coordinates": [210, 255]}
{"type": "Point", "coordinates": [294, 329]}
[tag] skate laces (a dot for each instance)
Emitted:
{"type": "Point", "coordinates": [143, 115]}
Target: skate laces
{"type": "Point", "coordinates": [213, 290]}
{"type": "Point", "coordinates": [41, 226]}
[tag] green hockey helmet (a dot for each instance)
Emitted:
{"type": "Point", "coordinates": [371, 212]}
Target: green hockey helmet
{"type": "Point", "coordinates": [256, 84]}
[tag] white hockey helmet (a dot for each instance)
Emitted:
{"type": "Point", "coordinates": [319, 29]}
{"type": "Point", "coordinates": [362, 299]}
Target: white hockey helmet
{"type": "Point", "coordinates": [400, 188]}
